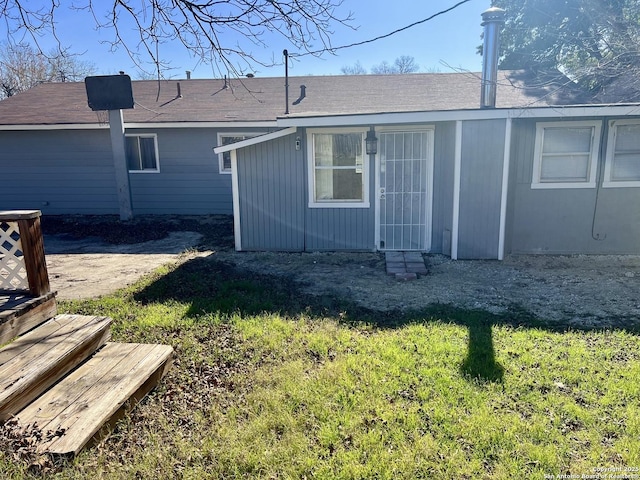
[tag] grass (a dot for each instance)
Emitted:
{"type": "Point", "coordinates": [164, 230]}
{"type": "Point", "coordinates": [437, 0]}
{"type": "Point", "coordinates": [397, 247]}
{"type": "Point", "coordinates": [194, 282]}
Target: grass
{"type": "Point", "coordinates": [268, 383]}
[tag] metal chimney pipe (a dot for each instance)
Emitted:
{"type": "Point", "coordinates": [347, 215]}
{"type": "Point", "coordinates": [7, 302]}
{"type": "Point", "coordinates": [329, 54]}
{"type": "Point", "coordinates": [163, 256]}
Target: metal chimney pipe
{"type": "Point", "coordinates": [492, 20]}
{"type": "Point", "coordinates": [188, 72]}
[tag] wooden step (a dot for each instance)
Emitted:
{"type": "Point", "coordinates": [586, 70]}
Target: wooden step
{"type": "Point", "coordinates": [38, 359]}
{"type": "Point", "coordinates": [20, 312]}
{"type": "Point", "coordinates": [97, 393]}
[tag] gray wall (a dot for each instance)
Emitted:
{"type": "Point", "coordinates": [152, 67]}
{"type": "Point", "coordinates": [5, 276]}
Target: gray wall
{"type": "Point", "coordinates": [271, 191]}
{"type": "Point", "coordinates": [71, 171]}
{"type": "Point", "coordinates": [567, 220]}
{"type": "Point", "coordinates": [480, 188]}
{"type": "Point", "coordinates": [274, 213]}
{"type": "Point", "coordinates": [341, 228]}
{"type": "Point", "coordinates": [57, 171]}
{"type": "Point", "coordinates": [189, 181]}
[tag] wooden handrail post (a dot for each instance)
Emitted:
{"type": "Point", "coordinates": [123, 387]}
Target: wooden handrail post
{"type": "Point", "coordinates": [32, 248]}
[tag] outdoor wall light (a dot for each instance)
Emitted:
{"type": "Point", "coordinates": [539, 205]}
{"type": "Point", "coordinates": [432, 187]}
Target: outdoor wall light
{"type": "Point", "coordinates": [371, 142]}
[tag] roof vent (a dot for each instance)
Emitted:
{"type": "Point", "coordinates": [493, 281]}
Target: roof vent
{"type": "Point", "coordinates": [303, 93]}
{"type": "Point", "coordinates": [492, 20]}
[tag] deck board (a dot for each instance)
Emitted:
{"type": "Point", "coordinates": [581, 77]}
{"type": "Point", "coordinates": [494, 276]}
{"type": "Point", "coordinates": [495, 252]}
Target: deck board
{"type": "Point", "coordinates": [99, 388]}
{"type": "Point", "coordinates": [20, 312]}
{"type": "Point", "coordinates": [38, 359]}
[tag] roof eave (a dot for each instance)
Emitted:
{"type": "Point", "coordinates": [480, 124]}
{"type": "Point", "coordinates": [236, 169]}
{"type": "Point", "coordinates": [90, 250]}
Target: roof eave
{"type": "Point", "coordinates": [329, 120]}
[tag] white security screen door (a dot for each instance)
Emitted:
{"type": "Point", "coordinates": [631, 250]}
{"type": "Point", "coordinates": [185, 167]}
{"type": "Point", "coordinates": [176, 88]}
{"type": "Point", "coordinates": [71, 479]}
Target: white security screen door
{"type": "Point", "coordinates": [405, 190]}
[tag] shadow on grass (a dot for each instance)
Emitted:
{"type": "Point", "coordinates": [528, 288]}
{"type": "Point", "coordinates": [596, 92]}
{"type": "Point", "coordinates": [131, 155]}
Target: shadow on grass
{"type": "Point", "coordinates": [481, 361]}
{"type": "Point", "coordinates": [211, 286]}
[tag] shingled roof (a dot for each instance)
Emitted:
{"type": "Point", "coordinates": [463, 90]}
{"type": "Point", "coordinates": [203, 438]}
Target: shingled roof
{"type": "Point", "coordinates": [263, 99]}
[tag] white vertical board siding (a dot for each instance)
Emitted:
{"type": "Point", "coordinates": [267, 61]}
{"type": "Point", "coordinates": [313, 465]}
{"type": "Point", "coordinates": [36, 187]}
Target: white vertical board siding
{"type": "Point", "coordinates": [271, 195]}
{"type": "Point", "coordinates": [481, 174]}
{"type": "Point", "coordinates": [58, 172]}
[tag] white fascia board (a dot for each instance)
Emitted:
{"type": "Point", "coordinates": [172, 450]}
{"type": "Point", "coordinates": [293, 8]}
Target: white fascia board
{"type": "Point", "coordinates": [234, 125]}
{"type": "Point", "coordinates": [456, 115]}
{"type": "Point", "coordinates": [58, 126]}
{"type": "Point", "coordinates": [255, 140]}
{"type": "Point", "coordinates": [141, 125]}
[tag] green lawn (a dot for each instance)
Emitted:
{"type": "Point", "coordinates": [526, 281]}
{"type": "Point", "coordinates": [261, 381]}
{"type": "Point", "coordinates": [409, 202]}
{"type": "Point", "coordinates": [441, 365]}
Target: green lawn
{"type": "Point", "coordinates": [269, 383]}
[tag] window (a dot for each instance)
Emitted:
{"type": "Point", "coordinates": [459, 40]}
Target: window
{"type": "Point", "coordinates": [565, 154]}
{"type": "Point", "coordinates": [142, 153]}
{"type": "Point", "coordinates": [622, 166]}
{"type": "Point", "coordinates": [224, 159]}
{"type": "Point", "coordinates": [338, 174]}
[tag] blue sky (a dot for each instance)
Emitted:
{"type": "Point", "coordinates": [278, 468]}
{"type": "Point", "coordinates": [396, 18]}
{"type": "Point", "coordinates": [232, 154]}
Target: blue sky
{"type": "Point", "coordinates": [451, 38]}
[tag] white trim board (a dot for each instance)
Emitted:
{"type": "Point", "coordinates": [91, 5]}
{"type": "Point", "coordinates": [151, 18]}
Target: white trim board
{"type": "Point", "coordinates": [97, 126]}
{"type": "Point", "coordinates": [256, 140]}
{"type": "Point", "coordinates": [391, 118]}
{"type": "Point", "coordinates": [505, 189]}
{"type": "Point", "coordinates": [457, 165]}
{"type": "Point", "coordinates": [235, 193]}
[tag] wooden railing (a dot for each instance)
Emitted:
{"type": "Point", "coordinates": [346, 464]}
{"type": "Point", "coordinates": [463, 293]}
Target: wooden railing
{"type": "Point", "coordinates": [22, 263]}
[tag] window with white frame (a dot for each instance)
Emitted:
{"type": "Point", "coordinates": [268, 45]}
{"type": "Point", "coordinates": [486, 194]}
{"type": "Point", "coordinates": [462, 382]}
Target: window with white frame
{"type": "Point", "coordinates": [338, 174]}
{"type": "Point", "coordinates": [566, 154]}
{"type": "Point", "coordinates": [142, 153]}
{"type": "Point", "coordinates": [622, 165]}
{"type": "Point", "coordinates": [224, 159]}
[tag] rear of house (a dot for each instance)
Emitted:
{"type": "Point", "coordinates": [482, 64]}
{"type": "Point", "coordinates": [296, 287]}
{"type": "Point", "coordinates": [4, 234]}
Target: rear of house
{"type": "Point", "coordinates": [540, 172]}
{"type": "Point", "coordinates": [516, 181]}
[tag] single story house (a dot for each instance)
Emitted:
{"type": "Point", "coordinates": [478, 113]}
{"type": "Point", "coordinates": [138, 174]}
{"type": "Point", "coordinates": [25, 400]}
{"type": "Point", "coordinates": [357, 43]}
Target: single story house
{"type": "Point", "coordinates": [474, 166]}
{"type": "Point", "coordinates": [544, 171]}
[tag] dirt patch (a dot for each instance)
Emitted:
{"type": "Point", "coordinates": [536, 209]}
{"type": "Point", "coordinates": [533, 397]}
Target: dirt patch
{"type": "Point", "coordinates": [576, 291]}
{"type": "Point", "coordinates": [89, 256]}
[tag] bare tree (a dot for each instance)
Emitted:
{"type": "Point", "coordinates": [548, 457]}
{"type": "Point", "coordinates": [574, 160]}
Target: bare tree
{"type": "Point", "coordinates": [22, 67]}
{"type": "Point", "coordinates": [201, 27]}
{"type": "Point", "coordinates": [402, 64]}
{"type": "Point", "coordinates": [406, 64]}
{"type": "Point", "coordinates": [355, 69]}
{"type": "Point", "coordinates": [383, 68]}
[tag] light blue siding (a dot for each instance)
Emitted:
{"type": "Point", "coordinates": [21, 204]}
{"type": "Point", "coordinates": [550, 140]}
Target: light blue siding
{"type": "Point", "coordinates": [189, 181]}
{"type": "Point", "coordinates": [567, 220]}
{"type": "Point", "coordinates": [71, 171]}
{"type": "Point", "coordinates": [271, 195]}
{"type": "Point", "coordinates": [480, 188]}
{"type": "Point", "coordinates": [443, 166]}
{"type": "Point", "coordinates": [57, 172]}
{"type": "Point", "coordinates": [340, 229]}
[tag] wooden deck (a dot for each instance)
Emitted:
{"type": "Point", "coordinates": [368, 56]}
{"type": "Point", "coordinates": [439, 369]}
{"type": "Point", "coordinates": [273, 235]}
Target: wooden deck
{"type": "Point", "coordinates": [20, 312]}
{"type": "Point", "coordinates": [59, 373]}
{"type": "Point", "coordinates": [38, 359]}
{"type": "Point", "coordinates": [99, 391]}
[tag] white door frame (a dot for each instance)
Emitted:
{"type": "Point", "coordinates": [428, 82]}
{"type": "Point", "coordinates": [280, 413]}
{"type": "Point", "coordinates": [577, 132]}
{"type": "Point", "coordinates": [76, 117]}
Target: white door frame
{"type": "Point", "coordinates": [430, 130]}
